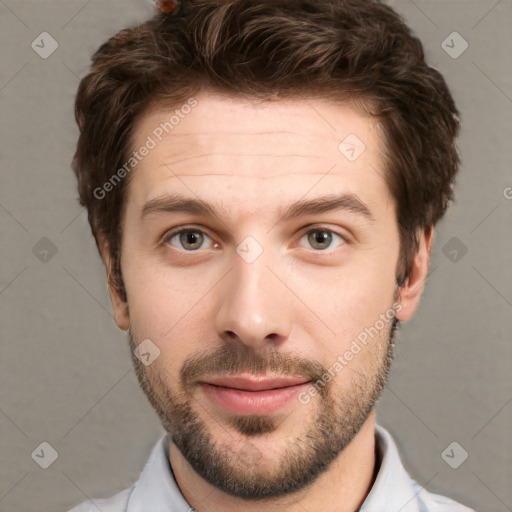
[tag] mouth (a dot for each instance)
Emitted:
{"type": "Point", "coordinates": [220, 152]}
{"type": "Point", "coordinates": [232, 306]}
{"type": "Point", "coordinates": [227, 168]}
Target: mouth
{"type": "Point", "coordinates": [253, 394]}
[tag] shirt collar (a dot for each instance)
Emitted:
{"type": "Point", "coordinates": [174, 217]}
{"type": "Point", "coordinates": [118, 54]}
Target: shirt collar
{"type": "Point", "coordinates": [157, 490]}
{"type": "Point", "coordinates": [393, 486]}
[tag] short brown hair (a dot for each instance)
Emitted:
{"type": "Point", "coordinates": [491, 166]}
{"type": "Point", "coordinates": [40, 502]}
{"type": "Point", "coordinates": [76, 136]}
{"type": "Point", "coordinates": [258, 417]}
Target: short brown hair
{"type": "Point", "coordinates": [344, 50]}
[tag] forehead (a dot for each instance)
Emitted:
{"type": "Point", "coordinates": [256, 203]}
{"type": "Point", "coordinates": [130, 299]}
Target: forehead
{"type": "Point", "coordinates": [223, 143]}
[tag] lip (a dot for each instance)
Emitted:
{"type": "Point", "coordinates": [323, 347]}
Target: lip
{"type": "Point", "coordinates": [253, 394]}
{"type": "Point", "coordinates": [256, 382]}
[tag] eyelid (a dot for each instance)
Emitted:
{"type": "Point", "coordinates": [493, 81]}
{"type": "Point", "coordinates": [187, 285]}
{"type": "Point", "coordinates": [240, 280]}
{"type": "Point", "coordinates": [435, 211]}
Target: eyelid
{"type": "Point", "coordinates": [304, 231]}
{"type": "Point", "coordinates": [344, 239]}
{"type": "Point", "coordinates": [183, 228]}
{"type": "Point", "coordinates": [347, 239]}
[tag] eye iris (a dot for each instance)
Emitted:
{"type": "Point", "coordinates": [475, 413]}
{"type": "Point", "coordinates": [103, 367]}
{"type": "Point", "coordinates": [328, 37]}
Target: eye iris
{"type": "Point", "coordinates": [320, 239]}
{"type": "Point", "coordinates": [191, 239]}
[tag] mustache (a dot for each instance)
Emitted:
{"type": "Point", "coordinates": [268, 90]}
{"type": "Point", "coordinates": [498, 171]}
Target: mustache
{"type": "Point", "coordinates": [236, 358]}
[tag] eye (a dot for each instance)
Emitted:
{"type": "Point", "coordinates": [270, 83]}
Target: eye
{"type": "Point", "coordinates": [188, 239]}
{"type": "Point", "coordinates": [322, 239]}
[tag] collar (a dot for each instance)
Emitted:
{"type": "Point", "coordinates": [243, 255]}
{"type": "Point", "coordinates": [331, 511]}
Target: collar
{"type": "Point", "coordinates": [156, 489]}
{"type": "Point", "coordinates": [393, 486]}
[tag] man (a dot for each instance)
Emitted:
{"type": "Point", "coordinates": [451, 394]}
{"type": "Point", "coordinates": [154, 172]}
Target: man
{"type": "Point", "coordinates": [262, 180]}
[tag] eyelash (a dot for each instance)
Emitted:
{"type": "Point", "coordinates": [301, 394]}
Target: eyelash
{"type": "Point", "coordinates": [184, 229]}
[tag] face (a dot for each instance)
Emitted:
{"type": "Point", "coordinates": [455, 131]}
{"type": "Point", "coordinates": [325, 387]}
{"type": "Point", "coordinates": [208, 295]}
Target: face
{"type": "Point", "coordinates": [259, 259]}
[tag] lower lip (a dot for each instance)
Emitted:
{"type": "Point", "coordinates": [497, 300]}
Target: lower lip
{"type": "Point", "coordinates": [252, 402]}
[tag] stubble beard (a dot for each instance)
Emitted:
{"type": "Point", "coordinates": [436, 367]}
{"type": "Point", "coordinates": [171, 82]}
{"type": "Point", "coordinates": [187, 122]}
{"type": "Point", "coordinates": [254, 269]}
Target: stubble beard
{"type": "Point", "coordinates": [241, 472]}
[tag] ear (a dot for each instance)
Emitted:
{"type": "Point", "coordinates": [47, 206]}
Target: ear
{"type": "Point", "coordinates": [410, 292]}
{"type": "Point", "coordinates": [120, 307]}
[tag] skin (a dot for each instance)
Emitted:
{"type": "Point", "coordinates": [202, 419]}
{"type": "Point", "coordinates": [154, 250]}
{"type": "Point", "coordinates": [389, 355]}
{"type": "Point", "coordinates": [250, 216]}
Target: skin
{"type": "Point", "coordinates": [250, 160]}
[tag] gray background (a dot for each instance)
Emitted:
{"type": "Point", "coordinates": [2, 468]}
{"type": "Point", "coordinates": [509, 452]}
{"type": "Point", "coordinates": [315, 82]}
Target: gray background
{"type": "Point", "coordinates": [66, 372]}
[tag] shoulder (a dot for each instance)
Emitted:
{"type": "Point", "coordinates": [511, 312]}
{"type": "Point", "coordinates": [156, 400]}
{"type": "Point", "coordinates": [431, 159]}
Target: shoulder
{"type": "Point", "coordinates": [116, 503]}
{"type": "Point", "coordinates": [437, 503]}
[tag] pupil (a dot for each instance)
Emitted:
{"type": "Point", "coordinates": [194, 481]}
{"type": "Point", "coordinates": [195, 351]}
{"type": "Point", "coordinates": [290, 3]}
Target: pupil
{"type": "Point", "coordinates": [320, 238]}
{"type": "Point", "coordinates": [191, 238]}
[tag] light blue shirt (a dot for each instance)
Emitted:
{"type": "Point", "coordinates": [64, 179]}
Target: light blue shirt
{"type": "Point", "coordinates": [393, 490]}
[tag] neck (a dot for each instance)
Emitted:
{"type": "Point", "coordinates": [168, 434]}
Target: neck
{"type": "Point", "coordinates": [342, 488]}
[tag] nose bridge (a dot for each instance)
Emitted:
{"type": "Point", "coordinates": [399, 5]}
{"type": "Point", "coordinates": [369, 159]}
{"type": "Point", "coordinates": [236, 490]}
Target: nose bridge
{"type": "Point", "coordinates": [252, 308]}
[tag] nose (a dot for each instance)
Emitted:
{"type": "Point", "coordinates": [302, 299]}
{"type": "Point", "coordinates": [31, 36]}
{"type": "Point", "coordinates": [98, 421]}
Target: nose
{"type": "Point", "coordinates": [254, 306]}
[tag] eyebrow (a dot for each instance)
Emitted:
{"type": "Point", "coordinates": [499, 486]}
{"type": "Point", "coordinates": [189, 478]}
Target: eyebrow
{"type": "Point", "coordinates": [178, 203]}
{"type": "Point", "coordinates": [346, 202]}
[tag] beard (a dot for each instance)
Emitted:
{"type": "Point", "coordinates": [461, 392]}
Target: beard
{"type": "Point", "coordinates": [337, 418]}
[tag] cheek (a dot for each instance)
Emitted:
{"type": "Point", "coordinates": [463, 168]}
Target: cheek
{"type": "Point", "coordinates": [361, 316]}
{"type": "Point", "coordinates": [352, 299]}
{"type": "Point", "coordinates": [170, 307]}
{"type": "Point", "coordinates": [151, 302]}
